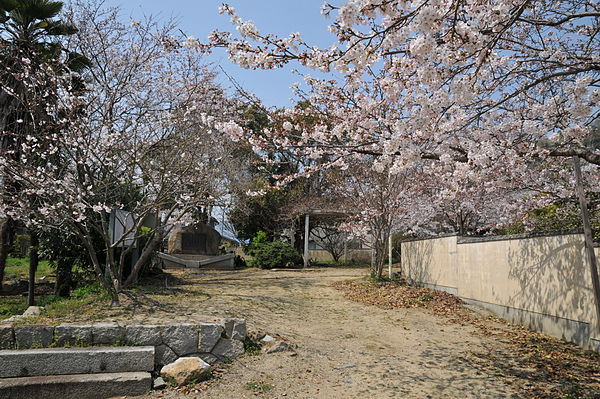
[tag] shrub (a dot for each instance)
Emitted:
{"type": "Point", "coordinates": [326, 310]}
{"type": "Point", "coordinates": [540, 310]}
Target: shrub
{"type": "Point", "coordinates": [276, 254]}
{"type": "Point", "coordinates": [20, 246]}
{"type": "Point", "coordinates": [259, 240]}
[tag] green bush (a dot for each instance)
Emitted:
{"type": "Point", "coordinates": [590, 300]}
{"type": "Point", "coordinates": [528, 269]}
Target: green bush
{"type": "Point", "coordinates": [20, 246]}
{"type": "Point", "coordinates": [259, 240]}
{"type": "Point", "coordinates": [276, 254]}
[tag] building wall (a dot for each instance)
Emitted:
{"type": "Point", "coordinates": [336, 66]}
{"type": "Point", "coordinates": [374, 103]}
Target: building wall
{"type": "Point", "coordinates": [542, 282]}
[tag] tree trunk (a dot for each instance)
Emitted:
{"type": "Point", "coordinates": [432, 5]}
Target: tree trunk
{"type": "Point", "coordinates": [589, 240]}
{"type": "Point", "coordinates": [33, 265]}
{"type": "Point", "coordinates": [144, 258]}
{"type": "Point", "coordinates": [64, 270]}
{"type": "Point", "coordinates": [379, 261]}
{"type": "Point", "coordinates": [389, 241]}
{"type": "Point", "coordinates": [6, 230]}
{"type": "Point", "coordinates": [87, 242]}
{"type": "Point", "coordinates": [335, 255]}
{"type": "Point", "coordinates": [461, 224]}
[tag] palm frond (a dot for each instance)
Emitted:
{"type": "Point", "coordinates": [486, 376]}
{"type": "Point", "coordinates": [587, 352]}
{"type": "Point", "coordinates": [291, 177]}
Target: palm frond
{"type": "Point", "coordinates": [8, 5]}
{"type": "Point", "coordinates": [59, 28]}
{"type": "Point", "coordinates": [40, 9]}
{"type": "Point", "coordinates": [78, 62]}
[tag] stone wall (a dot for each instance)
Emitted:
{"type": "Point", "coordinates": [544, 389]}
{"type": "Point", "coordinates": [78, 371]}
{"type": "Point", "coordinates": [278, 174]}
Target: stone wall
{"type": "Point", "coordinates": [211, 342]}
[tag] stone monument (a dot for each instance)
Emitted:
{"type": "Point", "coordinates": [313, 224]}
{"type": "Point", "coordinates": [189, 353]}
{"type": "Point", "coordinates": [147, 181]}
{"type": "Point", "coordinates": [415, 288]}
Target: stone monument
{"type": "Point", "coordinates": [194, 240]}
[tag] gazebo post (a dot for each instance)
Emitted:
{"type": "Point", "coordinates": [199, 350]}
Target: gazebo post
{"type": "Point", "coordinates": [306, 238]}
{"type": "Point", "coordinates": [346, 248]}
{"type": "Point", "coordinates": [390, 256]}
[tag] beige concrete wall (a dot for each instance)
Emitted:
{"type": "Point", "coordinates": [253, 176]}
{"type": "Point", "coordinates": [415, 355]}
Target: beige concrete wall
{"type": "Point", "coordinates": [543, 274]}
{"type": "Point", "coordinates": [431, 261]}
{"type": "Point", "coordinates": [546, 280]}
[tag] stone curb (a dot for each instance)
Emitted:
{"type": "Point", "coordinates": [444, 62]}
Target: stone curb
{"type": "Point", "coordinates": [63, 361]}
{"type": "Point", "coordinates": [88, 386]}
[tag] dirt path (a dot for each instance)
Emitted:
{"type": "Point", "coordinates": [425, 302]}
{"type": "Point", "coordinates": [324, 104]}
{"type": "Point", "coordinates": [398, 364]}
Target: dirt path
{"type": "Point", "coordinates": [345, 349]}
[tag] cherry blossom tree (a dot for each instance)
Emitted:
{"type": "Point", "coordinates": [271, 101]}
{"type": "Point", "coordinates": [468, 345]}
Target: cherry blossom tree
{"type": "Point", "coordinates": [509, 72]}
{"type": "Point", "coordinates": [506, 87]}
{"type": "Point", "coordinates": [379, 202]}
{"type": "Point", "coordinates": [145, 138]}
{"type": "Point", "coordinates": [474, 82]}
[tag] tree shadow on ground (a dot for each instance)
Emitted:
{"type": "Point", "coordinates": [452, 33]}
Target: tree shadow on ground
{"type": "Point", "coordinates": [164, 284]}
{"type": "Point", "coordinates": [441, 371]}
{"type": "Point", "coordinates": [542, 367]}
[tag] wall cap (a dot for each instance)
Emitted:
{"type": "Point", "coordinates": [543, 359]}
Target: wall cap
{"type": "Point", "coordinates": [446, 235]}
{"type": "Point", "coordinates": [523, 236]}
{"type": "Point", "coordinates": [507, 237]}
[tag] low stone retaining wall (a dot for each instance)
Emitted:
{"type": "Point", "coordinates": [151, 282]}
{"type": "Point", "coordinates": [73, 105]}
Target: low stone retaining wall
{"type": "Point", "coordinates": [211, 342]}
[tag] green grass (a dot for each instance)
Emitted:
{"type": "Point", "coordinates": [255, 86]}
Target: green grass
{"type": "Point", "coordinates": [251, 347]}
{"type": "Point", "coordinates": [12, 305]}
{"type": "Point", "coordinates": [383, 279]}
{"type": "Point", "coordinates": [259, 387]}
{"type": "Point", "coordinates": [18, 268]}
{"type": "Point", "coordinates": [81, 300]}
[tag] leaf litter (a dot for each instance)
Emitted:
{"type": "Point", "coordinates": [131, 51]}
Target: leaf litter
{"type": "Point", "coordinates": [539, 366]}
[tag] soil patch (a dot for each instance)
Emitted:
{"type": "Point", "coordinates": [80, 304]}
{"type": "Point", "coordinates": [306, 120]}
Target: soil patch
{"type": "Point", "coordinates": [345, 349]}
{"type": "Point", "coordinates": [538, 365]}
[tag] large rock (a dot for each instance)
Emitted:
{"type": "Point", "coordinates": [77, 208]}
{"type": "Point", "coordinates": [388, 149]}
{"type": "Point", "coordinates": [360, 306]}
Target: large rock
{"type": "Point", "coordinates": [7, 337]}
{"type": "Point", "coordinates": [73, 335]}
{"type": "Point", "coordinates": [228, 349]}
{"type": "Point", "coordinates": [108, 333]}
{"type": "Point", "coordinates": [235, 328]}
{"type": "Point", "coordinates": [143, 335]}
{"type": "Point", "coordinates": [181, 338]}
{"type": "Point", "coordinates": [208, 336]}
{"type": "Point", "coordinates": [33, 336]}
{"type": "Point", "coordinates": [78, 386]}
{"type": "Point", "coordinates": [60, 361]}
{"type": "Point", "coordinates": [207, 357]}
{"type": "Point", "coordinates": [185, 370]}
{"type": "Point", "coordinates": [33, 311]}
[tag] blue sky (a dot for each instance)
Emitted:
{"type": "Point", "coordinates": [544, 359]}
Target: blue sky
{"type": "Point", "coordinates": [199, 17]}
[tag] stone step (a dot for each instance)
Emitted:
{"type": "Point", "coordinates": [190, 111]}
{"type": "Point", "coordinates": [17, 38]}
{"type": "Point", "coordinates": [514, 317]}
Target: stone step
{"type": "Point", "coordinates": [63, 361]}
{"type": "Point", "coordinates": [81, 386]}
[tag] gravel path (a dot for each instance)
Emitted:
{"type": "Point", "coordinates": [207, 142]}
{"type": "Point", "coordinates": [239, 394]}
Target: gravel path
{"type": "Point", "coordinates": [345, 349]}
